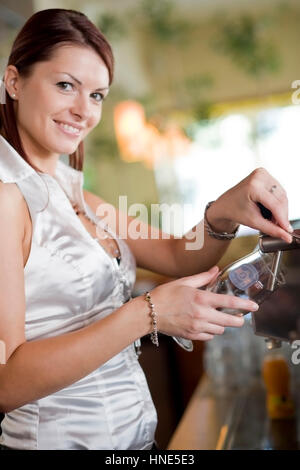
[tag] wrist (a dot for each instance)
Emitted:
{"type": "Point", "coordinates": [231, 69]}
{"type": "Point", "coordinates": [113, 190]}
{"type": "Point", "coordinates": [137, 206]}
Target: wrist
{"type": "Point", "coordinates": [219, 223]}
{"type": "Point", "coordinates": [142, 315]}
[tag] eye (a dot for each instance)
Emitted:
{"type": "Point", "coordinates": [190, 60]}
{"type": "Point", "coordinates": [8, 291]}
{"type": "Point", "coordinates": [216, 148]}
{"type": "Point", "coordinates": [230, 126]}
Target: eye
{"type": "Point", "coordinates": [98, 96]}
{"type": "Point", "coordinates": [63, 85]}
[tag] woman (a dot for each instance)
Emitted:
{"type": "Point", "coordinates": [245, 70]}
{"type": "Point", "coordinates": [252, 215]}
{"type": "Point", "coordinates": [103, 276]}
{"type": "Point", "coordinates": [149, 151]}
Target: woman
{"type": "Point", "coordinates": [71, 377]}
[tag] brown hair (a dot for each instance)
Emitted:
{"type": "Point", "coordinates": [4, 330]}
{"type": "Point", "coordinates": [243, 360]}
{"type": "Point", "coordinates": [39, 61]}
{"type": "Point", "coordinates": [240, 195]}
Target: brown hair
{"type": "Point", "coordinates": [40, 36]}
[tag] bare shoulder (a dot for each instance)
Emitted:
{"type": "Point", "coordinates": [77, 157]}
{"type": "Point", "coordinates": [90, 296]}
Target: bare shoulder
{"type": "Point", "coordinates": [13, 207]}
{"type": "Point", "coordinates": [10, 196]}
{"type": "Point", "coordinates": [10, 193]}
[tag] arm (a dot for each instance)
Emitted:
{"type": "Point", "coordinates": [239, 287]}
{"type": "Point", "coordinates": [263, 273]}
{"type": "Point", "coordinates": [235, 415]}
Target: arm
{"type": "Point", "coordinates": [170, 256]}
{"type": "Point", "coordinates": [236, 206]}
{"type": "Point", "coordinates": [210, 251]}
{"type": "Point", "coordinates": [38, 368]}
{"type": "Point", "coordinates": [42, 367]}
{"type": "Point", "coordinates": [151, 251]}
{"type": "Point", "coordinates": [32, 370]}
{"type": "Point", "coordinates": [161, 252]}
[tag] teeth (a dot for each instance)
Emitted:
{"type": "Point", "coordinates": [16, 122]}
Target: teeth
{"type": "Point", "coordinates": [74, 130]}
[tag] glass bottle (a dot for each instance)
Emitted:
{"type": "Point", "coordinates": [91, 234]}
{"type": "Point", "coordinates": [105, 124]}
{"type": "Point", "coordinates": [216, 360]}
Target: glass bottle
{"type": "Point", "coordinates": [276, 376]}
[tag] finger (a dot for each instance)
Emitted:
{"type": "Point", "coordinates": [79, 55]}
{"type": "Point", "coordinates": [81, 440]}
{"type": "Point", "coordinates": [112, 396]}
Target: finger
{"type": "Point", "coordinates": [201, 279]}
{"type": "Point", "coordinates": [213, 328]}
{"type": "Point", "coordinates": [227, 301]}
{"type": "Point", "coordinates": [203, 337]}
{"type": "Point", "coordinates": [269, 228]}
{"type": "Point", "coordinates": [278, 205]}
{"type": "Point", "coordinates": [266, 190]}
{"type": "Point", "coordinates": [224, 319]}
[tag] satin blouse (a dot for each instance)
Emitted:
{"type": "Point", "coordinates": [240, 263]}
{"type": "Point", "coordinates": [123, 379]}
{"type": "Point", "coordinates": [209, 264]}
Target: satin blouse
{"type": "Point", "coordinates": [71, 282]}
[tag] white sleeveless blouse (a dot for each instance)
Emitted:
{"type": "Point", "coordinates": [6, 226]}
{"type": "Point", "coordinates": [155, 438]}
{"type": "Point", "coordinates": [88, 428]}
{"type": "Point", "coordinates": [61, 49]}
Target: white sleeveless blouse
{"type": "Point", "coordinates": [71, 282]}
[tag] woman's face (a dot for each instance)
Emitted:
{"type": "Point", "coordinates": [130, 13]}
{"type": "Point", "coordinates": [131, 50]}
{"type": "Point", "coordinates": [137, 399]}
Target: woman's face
{"type": "Point", "coordinates": [61, 102]}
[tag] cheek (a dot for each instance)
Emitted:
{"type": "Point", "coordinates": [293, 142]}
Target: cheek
{"type": "Point", "coordinates": [95, 118]}
{"type": "Point", "coordinates": [44, 105]}
{"type": "Point", "coordinates": [50, 103]}
{"type": "Point", "coordinates": [99, 113]}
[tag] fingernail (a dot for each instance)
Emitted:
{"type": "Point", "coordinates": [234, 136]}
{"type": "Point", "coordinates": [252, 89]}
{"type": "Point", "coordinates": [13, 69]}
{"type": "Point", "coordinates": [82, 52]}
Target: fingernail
{"type": "Point", "coordinates": [290, 228]}
{"type": "Point", "coordinates": [255, 306]}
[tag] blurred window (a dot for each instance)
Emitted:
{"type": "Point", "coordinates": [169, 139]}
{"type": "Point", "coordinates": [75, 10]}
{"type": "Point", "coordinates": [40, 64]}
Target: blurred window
{"type": "Point", "coordinates": [225, 150]}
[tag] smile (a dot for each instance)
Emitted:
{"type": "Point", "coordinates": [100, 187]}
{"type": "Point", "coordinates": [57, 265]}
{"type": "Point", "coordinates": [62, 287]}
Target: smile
{"type": "Point", "coordinates": [67, 129]}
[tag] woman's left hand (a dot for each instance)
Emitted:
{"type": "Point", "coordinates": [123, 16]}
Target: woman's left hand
{"type": "Point", "coordinates": [238, 205]}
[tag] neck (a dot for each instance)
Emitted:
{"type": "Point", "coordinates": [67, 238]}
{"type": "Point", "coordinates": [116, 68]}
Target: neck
{"type": "Point", "coordinates": [45, 164]}
{"type": "Point", "coordinates": [49, 169]}
{"type": "Point", "coordinates": [44, 160]}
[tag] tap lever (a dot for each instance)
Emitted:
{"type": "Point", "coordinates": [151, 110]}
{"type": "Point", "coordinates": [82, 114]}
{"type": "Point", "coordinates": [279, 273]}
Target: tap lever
{"type": "Point", "coordinates": [269, 244]}
{"type": "Point", "coordinates": [295, 235]}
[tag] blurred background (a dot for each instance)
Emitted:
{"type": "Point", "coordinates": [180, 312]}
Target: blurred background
{"type": "Point", "coordinates": [204, 92]}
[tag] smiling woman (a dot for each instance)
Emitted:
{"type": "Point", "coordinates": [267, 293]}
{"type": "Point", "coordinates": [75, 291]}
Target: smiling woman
{"type": "Point", "coordinates": [57, 76]}
{"type": "Point", "coordinates": [64, 112]}
{"type": "Point", "coordinates": [76, 49]}
{"type": "Point", "coordinates": [70, 378]}
{"type": "Point", "coordinates": [63, 115]}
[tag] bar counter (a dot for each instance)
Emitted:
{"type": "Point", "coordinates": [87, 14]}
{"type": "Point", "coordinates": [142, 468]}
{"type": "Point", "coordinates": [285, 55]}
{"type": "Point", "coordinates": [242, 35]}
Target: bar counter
{"type": "Point", "coordinates": [236, 419]}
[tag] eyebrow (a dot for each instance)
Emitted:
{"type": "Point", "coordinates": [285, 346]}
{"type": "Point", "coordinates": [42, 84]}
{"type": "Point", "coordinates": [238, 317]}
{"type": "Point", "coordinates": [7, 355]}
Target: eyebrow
{"type": "Point", "coordinates": [79, 82]}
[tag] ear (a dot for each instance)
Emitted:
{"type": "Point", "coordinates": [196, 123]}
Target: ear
{"type": "Point", "coordinates": [12, 81]}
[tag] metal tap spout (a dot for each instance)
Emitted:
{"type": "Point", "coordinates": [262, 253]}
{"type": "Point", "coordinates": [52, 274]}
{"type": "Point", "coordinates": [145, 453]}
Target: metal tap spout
{"type": "Point", "coordinates": [269, 244]}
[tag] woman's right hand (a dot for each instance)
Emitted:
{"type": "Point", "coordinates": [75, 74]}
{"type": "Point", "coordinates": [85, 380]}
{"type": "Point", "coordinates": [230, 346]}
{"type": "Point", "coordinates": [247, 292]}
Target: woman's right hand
{"type": "Point", "coordinates": [184, 310]}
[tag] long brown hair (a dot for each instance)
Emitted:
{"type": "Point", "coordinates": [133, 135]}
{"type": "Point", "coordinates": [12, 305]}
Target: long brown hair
{"type": "Point", "coordinates": [40, 36]}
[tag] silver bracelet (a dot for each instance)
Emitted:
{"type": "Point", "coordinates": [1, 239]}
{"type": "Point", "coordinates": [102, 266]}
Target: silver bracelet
{"type": "Point", "coordinates": [217, 235]}
{"type": "Point", "coordinates": [154, 334]}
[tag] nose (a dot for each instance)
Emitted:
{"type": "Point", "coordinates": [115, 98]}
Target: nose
{"type": "Point", "coordinates": [81, 106]}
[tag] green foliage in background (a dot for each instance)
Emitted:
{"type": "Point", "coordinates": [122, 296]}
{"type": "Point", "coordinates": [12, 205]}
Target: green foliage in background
{"type": "Point", "coordinates": [111, 26]}
{"type": "Point", "coordinates": [242, 40]}
{"type": "Point", "coordinates": [197, 88]}
{"type": "Point", "coordinates": [161, 18]}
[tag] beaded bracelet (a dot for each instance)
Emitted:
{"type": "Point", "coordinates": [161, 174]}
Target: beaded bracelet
{"type": "Point", "coordinates": [154, 334]}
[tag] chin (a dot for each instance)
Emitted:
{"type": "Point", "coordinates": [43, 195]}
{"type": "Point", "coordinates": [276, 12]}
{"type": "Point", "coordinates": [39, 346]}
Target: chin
{"type": "Point", "coordinates": [64, 149]}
